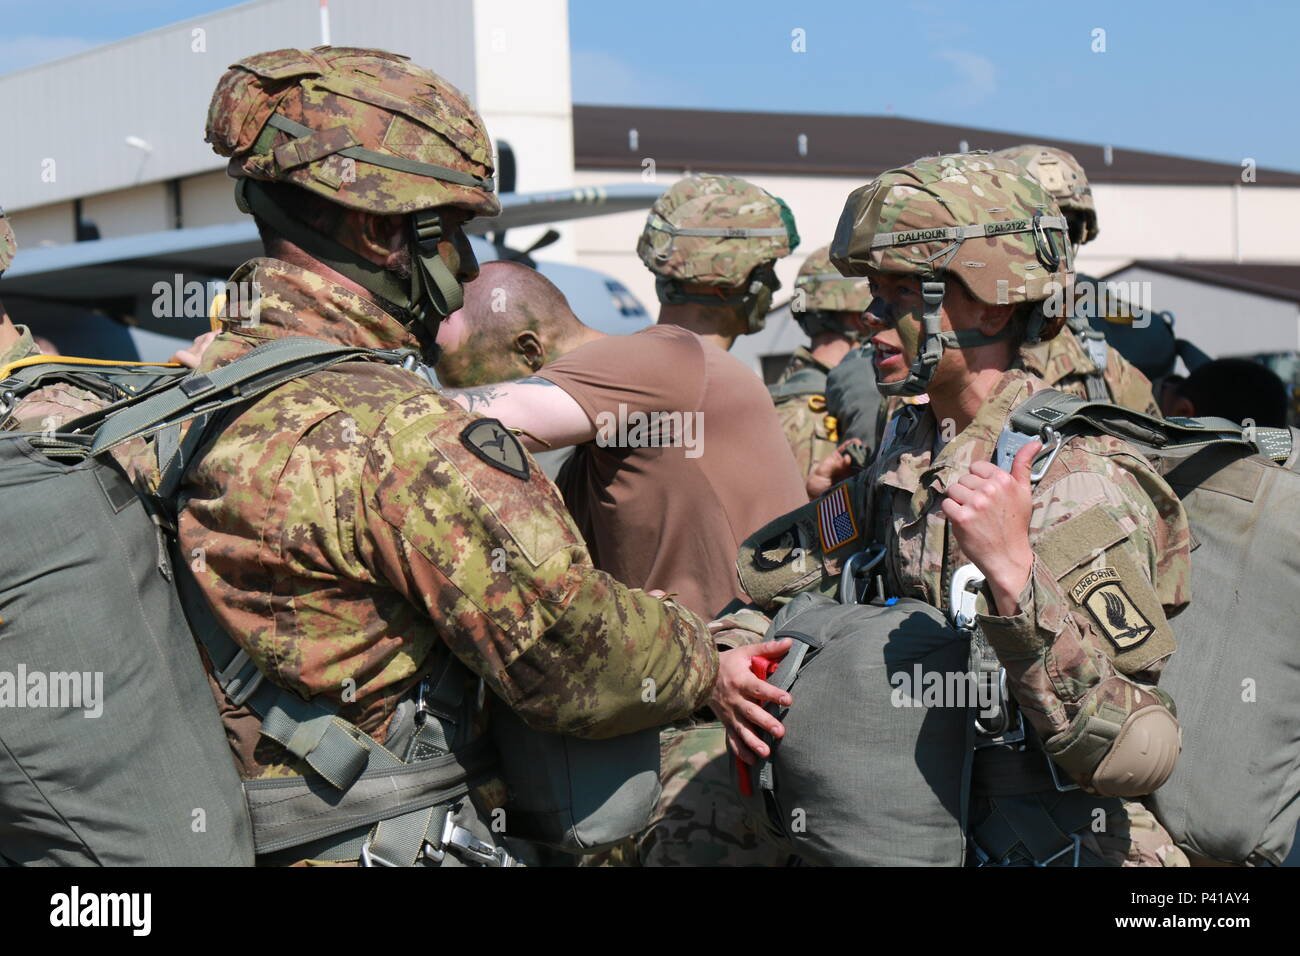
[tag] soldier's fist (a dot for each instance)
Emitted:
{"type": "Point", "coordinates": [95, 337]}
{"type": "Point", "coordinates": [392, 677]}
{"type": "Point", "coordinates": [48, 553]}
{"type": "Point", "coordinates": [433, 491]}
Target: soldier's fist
{"type": "Point", "coordinates": [988, 510]}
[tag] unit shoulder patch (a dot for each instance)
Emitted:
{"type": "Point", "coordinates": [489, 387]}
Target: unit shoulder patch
{"type": "Point", "coordinates": [495, 444]}
{"type": "Point", "coordinates": [1102, 593]}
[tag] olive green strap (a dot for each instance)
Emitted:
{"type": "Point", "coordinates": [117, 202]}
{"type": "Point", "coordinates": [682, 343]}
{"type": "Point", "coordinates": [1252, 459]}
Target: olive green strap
{"type": "Point", "coordinates": [399, 163]}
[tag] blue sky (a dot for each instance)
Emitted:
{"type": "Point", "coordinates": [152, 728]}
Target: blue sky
{"type": "Point", "coordinates": [1196, 78]}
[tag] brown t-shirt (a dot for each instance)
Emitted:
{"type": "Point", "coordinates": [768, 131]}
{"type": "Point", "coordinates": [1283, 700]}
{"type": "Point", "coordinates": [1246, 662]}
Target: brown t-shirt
{"type": "Point", "coordinates": [689, 460]}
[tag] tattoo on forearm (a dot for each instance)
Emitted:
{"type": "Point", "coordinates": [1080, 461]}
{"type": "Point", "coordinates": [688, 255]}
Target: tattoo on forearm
{"type": "Point", "coordinates": [480, 397]}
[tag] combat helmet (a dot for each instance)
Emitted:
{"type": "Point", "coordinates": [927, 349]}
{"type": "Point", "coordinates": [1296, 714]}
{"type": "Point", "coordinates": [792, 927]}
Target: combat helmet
{"type": "Point", "coordinates": [820, 292]}
{"type": "Point", "coordinates": [718, 231]}
{"type": "Point", "coordinates": [8, 244]}
{"type": "Point", "coordinates": [371, 131]}
{"type": "Point", "coordinates": [974, 216]}
{"type": "Point", "coordinates": [1061, 175]}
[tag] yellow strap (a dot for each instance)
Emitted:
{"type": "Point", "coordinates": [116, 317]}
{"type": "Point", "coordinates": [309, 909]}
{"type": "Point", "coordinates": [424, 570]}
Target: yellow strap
{"type": "Point", "coordinates": [7, 370]}
{"type": "Point", "coordinates": [215, 314]}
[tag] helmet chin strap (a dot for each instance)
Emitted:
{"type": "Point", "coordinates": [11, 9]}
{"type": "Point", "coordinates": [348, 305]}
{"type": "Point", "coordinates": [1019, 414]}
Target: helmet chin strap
{"type": "Point", "coordinates": [934, 340]}
{"type": "Point", "coordinates": [421, 302]}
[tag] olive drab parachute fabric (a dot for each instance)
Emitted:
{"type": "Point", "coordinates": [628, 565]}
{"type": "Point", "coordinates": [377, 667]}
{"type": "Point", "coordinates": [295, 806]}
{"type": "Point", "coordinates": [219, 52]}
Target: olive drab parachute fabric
{"type": "Point", "coordinates": [1234, 795]}
{"type": "Point", "coordinates": [868, 773]}
{"type": "Point", "coordinates": [111, 749]}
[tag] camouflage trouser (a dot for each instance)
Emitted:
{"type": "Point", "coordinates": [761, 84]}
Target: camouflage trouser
{"type": "Point", "coordinates": [700, 819]}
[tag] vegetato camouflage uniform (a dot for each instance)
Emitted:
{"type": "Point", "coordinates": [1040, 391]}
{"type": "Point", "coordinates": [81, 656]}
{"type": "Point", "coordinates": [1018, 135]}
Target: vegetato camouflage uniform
{"type": "Point", "coordinates": [345, 530]}
{"type": "Point", "coordinates": [1099, 513]}
{"type": "Point", "coordinates": [1063, 364]}
{"type": "Point", "coordinates": [801, 407]}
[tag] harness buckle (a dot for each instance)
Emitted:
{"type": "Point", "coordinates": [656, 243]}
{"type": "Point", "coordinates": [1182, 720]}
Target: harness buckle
{"type": "Point", "coordinates": [1056, 776]}
{"type": "Point", "coordinates": [851, 572]}
{"type": "Point", "coordinates": [467, 847]}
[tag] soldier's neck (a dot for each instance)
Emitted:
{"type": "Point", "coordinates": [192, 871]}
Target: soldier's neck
{"type": "Point", "coordinates": [830, 349]}
{"type": "Point", "coordinates": [719, 325]}
{"type": "Point", "coordinates": [959, 400]}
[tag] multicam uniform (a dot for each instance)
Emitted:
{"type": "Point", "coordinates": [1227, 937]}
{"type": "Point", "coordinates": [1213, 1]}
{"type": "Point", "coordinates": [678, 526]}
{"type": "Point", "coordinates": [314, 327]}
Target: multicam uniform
{"type": "Point", "coordinates": [1099, 510]}
{"type": "Point", "coordinates": [51, 405]}
{"type": "Point", "coordinates": [1109, 538]}
{"type": "Point", "coordinates": [1064, 364]}
{"type": "Point", "coordinates": [800, 397]}
{"type": "Point", "coordinates": [823, 300]}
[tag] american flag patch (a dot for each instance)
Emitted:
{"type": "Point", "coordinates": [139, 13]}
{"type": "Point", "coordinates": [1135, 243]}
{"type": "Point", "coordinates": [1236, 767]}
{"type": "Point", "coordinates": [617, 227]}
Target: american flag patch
{"type": "Point", "coordinates": [835, 520]}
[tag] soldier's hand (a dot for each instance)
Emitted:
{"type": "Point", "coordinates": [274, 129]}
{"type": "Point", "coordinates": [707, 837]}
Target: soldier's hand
{"type": "Point", "coordinates": [738, 698]}
{"type": "Point", "coordinates": [988, 510]}
{"type": "Point", "coordinates": [191, 356]}
{"type": "Point", "coordinates": [831, 470]}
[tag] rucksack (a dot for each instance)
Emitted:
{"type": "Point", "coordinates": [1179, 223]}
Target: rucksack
{"type": "Point", "coordinates": [1235, 678]}
{"type": "Point", "coordinates": [385, 802]}
{"type": "Point", "coordinates": [868, 773]}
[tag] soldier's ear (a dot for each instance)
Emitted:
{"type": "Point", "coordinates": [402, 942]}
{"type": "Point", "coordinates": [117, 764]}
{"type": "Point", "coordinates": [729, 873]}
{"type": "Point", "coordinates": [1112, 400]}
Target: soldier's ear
{"type": "Point", "coordinates": [530, 349]}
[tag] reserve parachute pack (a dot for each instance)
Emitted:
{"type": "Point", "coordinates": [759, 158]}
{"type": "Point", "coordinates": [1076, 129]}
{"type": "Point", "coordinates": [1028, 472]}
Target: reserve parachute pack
{"type": "Point", "coordinates": [125, 788]}
{"type": "Point", "coordinates": [1234, 796]}
{"type": "Point", "coordinates": [867, 773]}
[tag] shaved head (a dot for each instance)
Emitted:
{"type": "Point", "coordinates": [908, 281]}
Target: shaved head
{"type": "Point", "coordinates": [513, 321]}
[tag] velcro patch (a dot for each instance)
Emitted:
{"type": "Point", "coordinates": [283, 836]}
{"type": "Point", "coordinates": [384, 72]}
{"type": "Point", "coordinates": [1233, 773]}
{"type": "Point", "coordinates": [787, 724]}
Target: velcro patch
{"type": "Point", "coordinates": [1102, 593]}
{"type": "Point", "coordinates": [835, 522]}
{"type": "Point", "coordinates": [495, 444]}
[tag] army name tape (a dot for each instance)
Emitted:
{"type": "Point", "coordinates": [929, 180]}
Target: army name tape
{"type": "Point", "coordinates": [967, 232]}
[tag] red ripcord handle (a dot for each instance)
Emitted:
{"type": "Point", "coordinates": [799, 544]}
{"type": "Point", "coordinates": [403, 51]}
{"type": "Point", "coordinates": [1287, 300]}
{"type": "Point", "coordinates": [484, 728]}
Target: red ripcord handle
{"type": "Point", "coordinates": [762, 668]}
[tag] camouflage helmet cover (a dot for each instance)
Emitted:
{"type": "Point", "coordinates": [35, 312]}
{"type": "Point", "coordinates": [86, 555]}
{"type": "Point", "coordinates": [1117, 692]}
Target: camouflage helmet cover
{"type": "Point", "coordinates": [973, 215]}
{"type": "Point", "coordinates": [826, 290]}
{"type": "Point", "coordinates": [319, 118]}
{"type": "Point", "coordinates": [1061, 175]}
{"type": "Point", "coordinates": [8, 244]}
{"type": "Point", "coordinates": [715, 230]}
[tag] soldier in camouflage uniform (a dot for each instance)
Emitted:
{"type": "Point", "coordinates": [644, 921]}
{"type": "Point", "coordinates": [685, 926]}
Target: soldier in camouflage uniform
{"type": "Point", "coordinates": [1098, 532]}
{"type": "Point", "coordinates": [1080, 363]}
{"type": "Point", "coordinates": [353, 521]}
{"type": "Point", "coordinates": [828, 307]}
